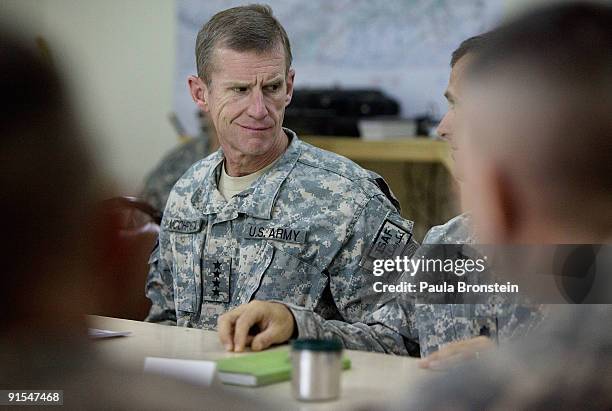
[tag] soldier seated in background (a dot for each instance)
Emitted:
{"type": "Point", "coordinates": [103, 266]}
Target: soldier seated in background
{"type": "Point", "coordinates": [173, 165]}
{"type": "Point", "coordinates": [267, 217]}
{"type": "Point", "coordinates": [536, 133]}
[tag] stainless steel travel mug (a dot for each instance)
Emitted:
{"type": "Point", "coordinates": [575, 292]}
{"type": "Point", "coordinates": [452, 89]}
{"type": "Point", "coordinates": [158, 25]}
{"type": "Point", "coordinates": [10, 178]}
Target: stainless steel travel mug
{"type": "Point", "coordinates": [317, 367]}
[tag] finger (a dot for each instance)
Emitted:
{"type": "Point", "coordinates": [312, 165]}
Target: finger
{"type": "Point", "coordinates": [446, 363]}
{"type": "Point", "coordinates": [483, 343]}
{"type": "Point", "coordinates": [461, 347]}
{"type": "Point", "coordinates": [454, 352]}
{"type": "Point", "coordinates": [241, 329]}
{"type": "Point", "coordinates": [448, 351]}
{"type": "Point", "coordinates": [271, 335]}
{"type": "Point", "coordinates": [441, 353]}
{"type": "Point", "coordinates": [225, 328]}
{"type": "Point", "coordinates": [249, 340]}
{"type": "Point", "coordinates": [423, 363]}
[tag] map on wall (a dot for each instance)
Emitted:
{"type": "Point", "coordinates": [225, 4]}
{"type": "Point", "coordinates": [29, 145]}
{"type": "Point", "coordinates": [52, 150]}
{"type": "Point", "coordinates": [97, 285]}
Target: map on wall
{"type": "Point", "coordinates": [400, 46]}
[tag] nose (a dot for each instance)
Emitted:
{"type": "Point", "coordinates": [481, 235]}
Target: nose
{"type": "Point", "coordinates": [257, 107]}
{"type": "Point", "coordinates": [444, 129]}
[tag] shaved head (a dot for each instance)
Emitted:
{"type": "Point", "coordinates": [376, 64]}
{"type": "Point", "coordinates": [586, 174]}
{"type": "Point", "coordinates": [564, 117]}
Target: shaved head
{"type": "Point", "coordinates": [537, 119]}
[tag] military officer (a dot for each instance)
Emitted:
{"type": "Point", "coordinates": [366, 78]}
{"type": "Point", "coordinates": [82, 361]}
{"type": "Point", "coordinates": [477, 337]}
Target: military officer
{"type": "Point", "coordinates": [267, 217]}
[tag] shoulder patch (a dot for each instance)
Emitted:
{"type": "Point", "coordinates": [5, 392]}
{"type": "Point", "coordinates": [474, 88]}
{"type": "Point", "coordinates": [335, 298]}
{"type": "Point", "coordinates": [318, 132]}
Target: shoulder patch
{"type": "Point", "coordinates": [182, 226]}
{"type": "Point", "coordinates": [391, 241]}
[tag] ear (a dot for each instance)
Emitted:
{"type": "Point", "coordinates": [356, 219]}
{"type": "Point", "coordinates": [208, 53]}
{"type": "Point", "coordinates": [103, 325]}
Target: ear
{"type": "Point", "coordinates": [290, 79]}
{"type": "Point", "coordinates": [199, 92]}
{"type": "Point", "coordinates": [504, 207]}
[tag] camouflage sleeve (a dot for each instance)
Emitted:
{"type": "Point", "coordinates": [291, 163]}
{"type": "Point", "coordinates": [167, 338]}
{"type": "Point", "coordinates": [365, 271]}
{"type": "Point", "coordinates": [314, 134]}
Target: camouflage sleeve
{"type": "Point", "coordinates": [160, 288]}
{"type": "Point", "coordinates": [518, 320]}
{"type": "Point", "coordinates": [378, 232]}
{"type": "Point", "coordinates": [389, 329]}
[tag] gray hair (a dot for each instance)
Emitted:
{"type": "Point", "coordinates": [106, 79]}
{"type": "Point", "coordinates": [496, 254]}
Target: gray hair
{"type": "Point", "coordinates": [244, 28]}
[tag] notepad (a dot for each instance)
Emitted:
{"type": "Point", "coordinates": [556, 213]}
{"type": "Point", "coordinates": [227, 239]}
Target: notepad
{"type": "Point", "coordinates": [262, 368]}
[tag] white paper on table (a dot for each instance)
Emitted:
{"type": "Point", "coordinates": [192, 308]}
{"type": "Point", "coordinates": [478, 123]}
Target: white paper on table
{"type": "Point", "coordinates": [95, 333]}
{"type": "Point", "coordinates": [196, 372]}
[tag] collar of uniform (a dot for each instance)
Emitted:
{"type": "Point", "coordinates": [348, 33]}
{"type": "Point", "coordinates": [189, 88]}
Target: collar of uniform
{"type": "Point", "coordinates": [207, 197]}
{"type": "Point", "coordinates": [259, 200]}
{"type": "Point", "coordinates": [256, 201]}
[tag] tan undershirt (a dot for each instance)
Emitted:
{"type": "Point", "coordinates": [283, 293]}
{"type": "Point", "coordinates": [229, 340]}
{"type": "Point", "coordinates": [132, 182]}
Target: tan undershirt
{"type": "Point", "coordinates": [230, 186]}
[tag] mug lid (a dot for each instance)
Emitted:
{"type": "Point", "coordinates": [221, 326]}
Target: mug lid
{"type": "Point", "coordinates": [312, 344]}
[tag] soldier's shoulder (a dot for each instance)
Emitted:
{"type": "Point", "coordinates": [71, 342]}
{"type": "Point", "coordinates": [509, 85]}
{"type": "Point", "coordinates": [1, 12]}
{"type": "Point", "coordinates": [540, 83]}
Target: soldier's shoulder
{"type": "Point", "coordinates": [325, 164]}
{"type": "Point", "coordinates": [333, 163]}
{"type": "Point", "coordinates": [457, 230]}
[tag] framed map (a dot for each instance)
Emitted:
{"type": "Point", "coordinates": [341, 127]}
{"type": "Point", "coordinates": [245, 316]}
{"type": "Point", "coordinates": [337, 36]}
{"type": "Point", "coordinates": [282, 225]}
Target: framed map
{"type": "Point", "coordinates": [400, 46]}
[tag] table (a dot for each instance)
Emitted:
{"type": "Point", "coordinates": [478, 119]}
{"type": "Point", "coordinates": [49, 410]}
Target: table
{"type": "Point", "coordinates": [374, 377]}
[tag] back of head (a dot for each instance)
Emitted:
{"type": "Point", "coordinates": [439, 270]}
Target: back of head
{"type": "Point", "coordinates": [543, 82]}
{"type": "Point", "coordinates": [45, 179]}
{"type": "Point", "coordinates": [245, 28]}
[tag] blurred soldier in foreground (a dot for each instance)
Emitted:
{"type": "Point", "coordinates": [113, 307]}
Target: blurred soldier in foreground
{"type": "Point", "coordinates": [536, 133]}
{"type": "Point", "coordinates": [267, 217]}
{"type": "Point", "coordinates": [56, 254]}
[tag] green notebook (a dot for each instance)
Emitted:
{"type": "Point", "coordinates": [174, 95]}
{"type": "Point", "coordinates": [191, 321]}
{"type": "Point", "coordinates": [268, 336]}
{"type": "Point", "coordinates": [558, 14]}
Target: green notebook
{"type": "Point", "coordinates": [261, 368]}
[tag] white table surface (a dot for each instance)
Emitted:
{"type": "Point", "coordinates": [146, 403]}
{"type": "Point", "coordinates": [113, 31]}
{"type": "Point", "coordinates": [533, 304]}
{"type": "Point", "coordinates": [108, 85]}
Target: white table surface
{"type": "Point", "coordinates": [373, 378]}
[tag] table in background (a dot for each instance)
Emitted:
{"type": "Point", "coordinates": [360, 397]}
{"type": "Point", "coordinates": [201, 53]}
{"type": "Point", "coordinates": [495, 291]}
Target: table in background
{"type": "Point", "coordinates": [373, 378]}
{"type": "Point", "coordinates": [418, 169]}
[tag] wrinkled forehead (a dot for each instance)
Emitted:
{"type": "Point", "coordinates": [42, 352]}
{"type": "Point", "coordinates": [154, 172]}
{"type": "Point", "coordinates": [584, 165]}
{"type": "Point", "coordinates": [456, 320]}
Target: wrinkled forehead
{"type": "Point", "coordinates": [248, 66]}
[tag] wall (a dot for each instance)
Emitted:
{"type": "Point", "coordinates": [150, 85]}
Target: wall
{"type": "Point", "coordinates": [118, 59]}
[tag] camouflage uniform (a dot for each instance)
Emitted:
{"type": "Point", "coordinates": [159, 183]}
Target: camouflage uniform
{"type": "Point", "coordinates": [403, 326]}
{"type": "Point", "coordinates": [160, 181]}
{"type": "Point", "coordinates": [440, 324]}
{"type": "Point", "coordinates": [305, 233]}
{"type": "Point", "coordinates": [564, 365]}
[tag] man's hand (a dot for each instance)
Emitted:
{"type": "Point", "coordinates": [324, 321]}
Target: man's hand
{"type": "Point", "coordinates": [455, 352]}
{"type": "Point", "coordinates": [274, 320]}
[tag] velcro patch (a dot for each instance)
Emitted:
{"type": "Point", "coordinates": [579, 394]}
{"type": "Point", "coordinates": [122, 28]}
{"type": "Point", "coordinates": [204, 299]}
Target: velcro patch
{"type": "Point", "coordinates": [390, 242]}
{"type": "Point", "coordinates": [182, 226]}
{"type": "Point", "coordinates": [287, 234]}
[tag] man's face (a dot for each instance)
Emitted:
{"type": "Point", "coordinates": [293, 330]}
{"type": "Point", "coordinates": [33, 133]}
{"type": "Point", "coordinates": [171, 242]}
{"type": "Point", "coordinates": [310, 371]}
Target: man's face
{"type": "Point", "coordinates": [246, 99]}
{"type": "Point", "coordinates": [447, 127]}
